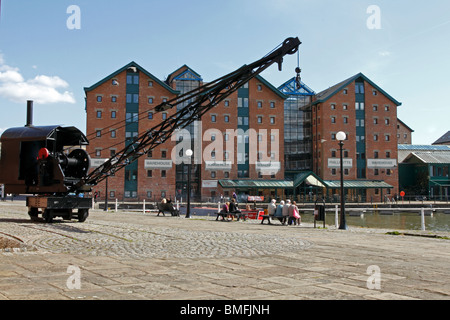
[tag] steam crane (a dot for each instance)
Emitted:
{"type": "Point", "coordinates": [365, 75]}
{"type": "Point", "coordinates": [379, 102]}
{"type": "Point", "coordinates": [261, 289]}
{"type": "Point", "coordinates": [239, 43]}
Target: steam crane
{"type": "Point", "coordinates": [33, 160]}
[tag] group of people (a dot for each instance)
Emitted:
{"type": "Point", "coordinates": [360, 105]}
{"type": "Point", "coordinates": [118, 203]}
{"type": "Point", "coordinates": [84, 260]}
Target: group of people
{"type": "Point", "coordinates": [286, 212]}
{"type": "Point", "coordinates": [230, 207]}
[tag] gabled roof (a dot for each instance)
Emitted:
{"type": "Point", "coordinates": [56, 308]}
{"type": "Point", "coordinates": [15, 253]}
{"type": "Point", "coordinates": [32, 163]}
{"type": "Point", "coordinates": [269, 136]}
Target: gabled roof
{"type": "Point", "coordinates": [290, 88]}
{"type": "Point", "coordinates": [178, 73]}
{"type": "Point", "coordinates": [130, 65]}
{"type": "Point", "coordinates": [311, 179]}
{"type": "Point", "coordinates": [328, 93]}
{"type": "Point", "coordinates": [405, 125]}
{"type": "Point", "coordinates": [428, 157]}
{"type": "Point", "coordinates": [271, 87]}
{"type": "Point", "coordinates": [445, 139]}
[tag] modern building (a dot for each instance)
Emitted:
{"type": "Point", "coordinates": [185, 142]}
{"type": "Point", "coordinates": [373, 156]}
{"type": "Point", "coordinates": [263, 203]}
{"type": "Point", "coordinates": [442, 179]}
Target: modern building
{"type": "Point", "coordinates": [297, 128]}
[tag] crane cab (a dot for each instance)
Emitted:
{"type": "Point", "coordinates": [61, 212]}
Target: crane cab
{"type": "Point", "coordinates": [45, 162]}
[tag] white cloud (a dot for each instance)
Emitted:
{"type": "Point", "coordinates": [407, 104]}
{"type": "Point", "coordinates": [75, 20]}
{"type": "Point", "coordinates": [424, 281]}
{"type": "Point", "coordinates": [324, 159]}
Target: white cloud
{"type": "Point", "coordinates": [55, 82]}
{"type": "Point", "coordinates": [9, 76]}
{"type": "Point", "coordinates": [42, 89]}
{"type": "Point", "coordinates": [384, 53]}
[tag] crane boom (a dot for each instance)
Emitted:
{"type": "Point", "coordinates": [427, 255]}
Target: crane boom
{"type": "Point", "coordinates": [198, 102]}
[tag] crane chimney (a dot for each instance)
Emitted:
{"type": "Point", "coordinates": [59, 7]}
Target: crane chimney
{"type": "Point", "coordinates": [29, 113]}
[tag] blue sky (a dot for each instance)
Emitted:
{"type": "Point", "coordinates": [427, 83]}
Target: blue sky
{"type": "Point", "coordinates": [42, 59]}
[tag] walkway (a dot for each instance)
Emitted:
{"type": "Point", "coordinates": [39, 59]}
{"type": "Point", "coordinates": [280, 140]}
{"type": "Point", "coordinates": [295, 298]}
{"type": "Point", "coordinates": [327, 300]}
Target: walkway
{"type": "Point", "coordinates": [129, 255]}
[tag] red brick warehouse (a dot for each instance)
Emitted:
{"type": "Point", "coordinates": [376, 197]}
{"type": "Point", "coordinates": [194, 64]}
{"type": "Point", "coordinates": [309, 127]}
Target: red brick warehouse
{"type": "Point", "coordinates": [130, 94]}
{"type": "Point", "coordinates": [228, 141]}
{"type": "Point", "coordinates": [368, 116]}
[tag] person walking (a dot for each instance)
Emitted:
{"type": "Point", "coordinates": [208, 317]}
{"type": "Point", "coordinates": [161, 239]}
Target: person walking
{"type": "Point", "coordinates": [285, 211]}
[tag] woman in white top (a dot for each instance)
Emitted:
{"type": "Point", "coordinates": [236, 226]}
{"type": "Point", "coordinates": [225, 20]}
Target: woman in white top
{"type": "Point", "coordinates": [271, 208]}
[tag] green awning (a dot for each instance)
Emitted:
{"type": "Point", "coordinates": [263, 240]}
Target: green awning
{"type": "Point", "coordinates": [441, 183]}
{"type": "Point", "coordinates": [358, 184]}
{"type": "Point", "coordinates": [310, 178]}
{"type": "Point", "coordinates": [255, 184]}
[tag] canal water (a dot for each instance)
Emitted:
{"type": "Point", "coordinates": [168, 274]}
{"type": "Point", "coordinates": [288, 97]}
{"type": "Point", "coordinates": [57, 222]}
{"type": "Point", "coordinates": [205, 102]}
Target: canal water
{"type": "Point", "coordinates": [393, 220]}
{"type": "Point", "coordinates": [397, 220]}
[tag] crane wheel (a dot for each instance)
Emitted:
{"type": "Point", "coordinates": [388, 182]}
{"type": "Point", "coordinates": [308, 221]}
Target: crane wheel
{"type": "Point", "coordinates": [83, 215]}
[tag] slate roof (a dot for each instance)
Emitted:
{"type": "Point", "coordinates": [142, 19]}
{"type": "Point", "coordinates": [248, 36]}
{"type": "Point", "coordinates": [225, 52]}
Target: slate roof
{"type": "Point", "coordinates": [130, 65]}
{"type": "Point", "coordinates": [328, 93]}
{"type": "Point", "coordinates": [445, 139]}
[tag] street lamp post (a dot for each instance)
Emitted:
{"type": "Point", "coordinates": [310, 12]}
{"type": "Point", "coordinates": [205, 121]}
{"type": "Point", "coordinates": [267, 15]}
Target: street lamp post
{"type": "Point", "coordinates": [189, 153]}
{"type": "Point", "coordinates": [106, 193]}
{"type": "Point", "coordinates": [341, 136]}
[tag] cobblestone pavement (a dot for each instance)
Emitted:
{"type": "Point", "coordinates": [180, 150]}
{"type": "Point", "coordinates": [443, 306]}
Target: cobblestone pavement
{"type": "Point", "coordinates": [129, 255]}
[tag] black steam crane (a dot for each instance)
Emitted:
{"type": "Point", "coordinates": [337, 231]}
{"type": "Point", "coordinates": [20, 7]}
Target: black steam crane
{"type": "Point", "coordinates": [34, 161]}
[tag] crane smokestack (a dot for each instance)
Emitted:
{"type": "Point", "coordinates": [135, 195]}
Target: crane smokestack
{"type": "Point", "coordinates": [29, 113]}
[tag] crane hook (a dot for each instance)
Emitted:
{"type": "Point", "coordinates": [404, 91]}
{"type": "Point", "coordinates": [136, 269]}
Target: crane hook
{"type": "Point", "coordinates": [298, 79]}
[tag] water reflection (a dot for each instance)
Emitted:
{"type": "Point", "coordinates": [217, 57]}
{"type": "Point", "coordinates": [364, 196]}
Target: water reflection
{"type": "Point", "coordinates": [398, 220]}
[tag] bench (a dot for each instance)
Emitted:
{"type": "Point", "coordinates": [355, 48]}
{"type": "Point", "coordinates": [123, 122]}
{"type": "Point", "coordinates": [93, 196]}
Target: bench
{"type": "Point", "coordinates": [235, 215]}
{"type": "Point", "coordinates": [268, 217]}
{"type": "Point", "coordinates": [163, 207]}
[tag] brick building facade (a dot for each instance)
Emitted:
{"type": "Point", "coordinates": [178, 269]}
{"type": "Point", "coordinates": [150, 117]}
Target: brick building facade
{"type": "Point", "coordinates": [244, 138]}
{"type": "Point", "coordinates": [241, 138]}
{"type": "Point", "coordinates": [404, 133]}
{"type": "Point", "coordinates": [117, 109]}
{"type": "Point", "coordinates": [368, 116]}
